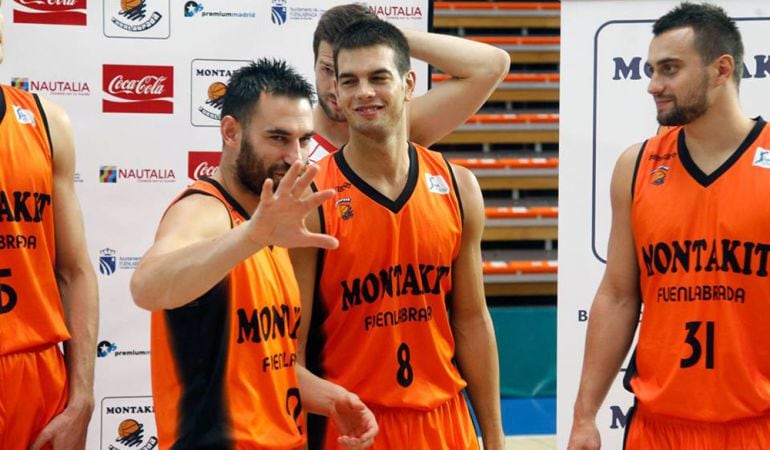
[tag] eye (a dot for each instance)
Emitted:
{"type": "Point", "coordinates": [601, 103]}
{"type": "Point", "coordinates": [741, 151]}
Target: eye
{"type": "Point", "coordinates": [278, 138]}
{"type": "Point", "coordinates": [669, 69]}
{"type": "Point", "coordinates": [327, 70]}
{"type": "Point", "coordinates": [303, 141]}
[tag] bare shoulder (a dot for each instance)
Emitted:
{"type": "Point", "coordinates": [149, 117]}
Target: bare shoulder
{"type": "Point", "coordinates": [194, 218]}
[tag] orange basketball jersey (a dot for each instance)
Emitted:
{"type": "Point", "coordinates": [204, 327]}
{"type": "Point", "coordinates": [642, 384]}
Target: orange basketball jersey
{"type": "Point", "coordinates": [223, 366]}
{"type": "Point", "coordinates": [30, 307]}
{"type": "Point", "coordinates": [380, 322]}
{"type": "Point", "coordinates": [702, 246]}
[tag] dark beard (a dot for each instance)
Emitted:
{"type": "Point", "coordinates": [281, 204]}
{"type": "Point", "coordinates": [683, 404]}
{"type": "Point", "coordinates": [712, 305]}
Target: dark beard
{"type": "Point", "coordinates": [251, 169]}
{"type": "Point", "coordinates": [330, 113]}
{"type": "Point", "coordinates": [682, 115]}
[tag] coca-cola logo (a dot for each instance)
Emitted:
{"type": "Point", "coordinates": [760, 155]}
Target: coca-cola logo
{"type": "Point", "coordinates": [51, 12]}
{"type": "Point", "coordinates": [202, 164]}
{"type": "Point", "coordinates": [138, 89]}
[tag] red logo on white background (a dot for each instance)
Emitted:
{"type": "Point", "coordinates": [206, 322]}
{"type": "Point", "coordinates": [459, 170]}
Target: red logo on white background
{"type": "Point", "coordinates": [202, 164]}
{"type": "Point", "coordinates": [51, 12]}
{"type": "Point", "coordinates": [138, 89]}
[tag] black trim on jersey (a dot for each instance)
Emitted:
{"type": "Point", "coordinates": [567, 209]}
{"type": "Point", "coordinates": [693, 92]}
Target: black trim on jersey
{"type": "Point", "coordinates": [45, 121]}
{"type": "Point", "coordinates": [374, 194]}
{"type": "Point", "coordinates": [2, 104]}
{"type": "Point", "coordinates": [457, 190]}
{"type": "Point", "coordinates": [631, 372]}
{"type": "Point", "coordinates": [636, 168]}
{"type": "Point", "coordinates": [198, 337]}
{"type": "Point", "coordinates": [695, 171]}
{"type": "Point", "coordinates": [230, 199]}
{"type": "Point", "coordinates": [629, 418]}
{"type": "Point", "coordinates": [316, 340]}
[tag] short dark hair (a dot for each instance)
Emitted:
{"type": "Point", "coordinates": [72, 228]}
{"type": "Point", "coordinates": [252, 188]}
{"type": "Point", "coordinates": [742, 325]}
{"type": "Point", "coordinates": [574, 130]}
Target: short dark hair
{"type": "Point", "coordinates": [334, 21]}
{"type": "Point", "coordinates": [272, 76]}
{"type": "Point", "coordinates": [716, 34]}
{"type": "Point", "coordinates": [370, 33]}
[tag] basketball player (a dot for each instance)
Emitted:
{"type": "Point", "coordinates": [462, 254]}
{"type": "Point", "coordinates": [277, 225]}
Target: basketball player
{"type": "Point", "coordinates": [225, 303]}
{"type": "Point", "coordinates": [475, 69]}
{"type": "Point", "coordinates": [689, 242]}
{"type": "Point", "coordinates": [402, 297]}
{"type": "Point", "coordinates": [48, 289]}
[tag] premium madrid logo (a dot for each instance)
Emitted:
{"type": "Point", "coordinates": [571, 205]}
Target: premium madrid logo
{"type": "Point", "coordinates": [138, 89]}
{"type": "Point", "coordinates": [209, 78]}
{"type": "Point", "coordinates": [202, 164]}
{"type": "Point", "coordinates": [52, 87]}
{"type": "Point", "coordinates": [128, 423]}
{"type": "Point", "coordinates": [147, 19]}
{"type": "Point", "coordinates": [50, 12]}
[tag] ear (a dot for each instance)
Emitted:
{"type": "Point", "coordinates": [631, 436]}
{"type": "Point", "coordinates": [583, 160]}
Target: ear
{"type": "Point", "coordinates": [725, 66]}
{"type": "Point", "coordinates": [231, 131]}
{"type": "Point", "coordinates": [410, 80]}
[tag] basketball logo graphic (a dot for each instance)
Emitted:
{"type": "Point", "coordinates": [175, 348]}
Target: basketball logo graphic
{"type": "Point", "coordinates": [344, 208]}
{"type": "Point", "coordinates": [130, 432]}
{"type": "Point", "coordinates": [658, 176]}
{"type": "Point", "coordinates": [216, 94]}
{"type": "Point", "coordinates": [132, 9]}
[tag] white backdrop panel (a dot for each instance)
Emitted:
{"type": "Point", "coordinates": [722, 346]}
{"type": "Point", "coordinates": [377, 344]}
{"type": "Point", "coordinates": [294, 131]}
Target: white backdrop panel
{"type": "Point", "coordinates": [605, 108]}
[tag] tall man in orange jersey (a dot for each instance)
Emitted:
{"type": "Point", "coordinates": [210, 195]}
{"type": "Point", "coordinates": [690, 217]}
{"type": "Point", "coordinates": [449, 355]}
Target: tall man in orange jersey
{"type": "Point", "coordinates": [475, 70]}
{"type": "Point", "coordinates": [225, 303]}
{"type": "Point", "coordinates": [402, 297]}
{"type": "Point", "coordinates": [690, 242]}
{"type": "Point", "coordinates": [48, 289]}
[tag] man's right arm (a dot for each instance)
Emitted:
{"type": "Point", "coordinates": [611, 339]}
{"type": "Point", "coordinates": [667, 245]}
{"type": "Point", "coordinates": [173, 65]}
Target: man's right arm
{"type": "Point", "coordinates": [614, 313]}
{"type": "Point", "coordinates": [195, 247]}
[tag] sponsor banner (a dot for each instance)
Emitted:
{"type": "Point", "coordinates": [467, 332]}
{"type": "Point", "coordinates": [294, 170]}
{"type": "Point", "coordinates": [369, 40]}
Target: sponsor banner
{"type": "Point", "coordinates": [209, 78]}
{"type": "Point", "coordinates": [614, 81]}
{"type": "Point", "coordinates": [128, 423]}
{"type": "Point", "coordinates": [110, 261]}
{"type": "Point", "coordinates": [202, 164]}
{"type": "Point", "coordinates": [217, 10]}
{"type": "Point", "coordinates": [50, 12]}
{"type": "Point", "coordinates": [52, 87]}
{"type": "Point", "coordinates": [141, 19]}
{"type": "Point", "coordinates": [113, 174]}
{"type": "Point", "coordinates": [138, 89]}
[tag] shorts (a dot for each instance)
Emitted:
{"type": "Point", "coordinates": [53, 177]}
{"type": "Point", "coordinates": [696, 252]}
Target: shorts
{"type": "Point", "coordinates": [33, 390]}
{"type": "Point", "coordinates": [447, 427]}
{"type": "Point", "coordinates": [646, 431]}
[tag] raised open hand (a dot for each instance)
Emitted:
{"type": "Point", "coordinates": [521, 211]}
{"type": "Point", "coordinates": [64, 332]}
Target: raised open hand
{"type": "Point", "coordinates": [280, 217]}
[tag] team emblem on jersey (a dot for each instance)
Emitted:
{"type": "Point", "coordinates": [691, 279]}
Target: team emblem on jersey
{"type": "Point", "coordinates": [24, 116]}
{"type": "Point", "coordinates": [658, 176]}
{"type": "Point", "coordinates": [762, 158]}
{"type": "Point", "coordinates": [437, 184]}
{"type": "Point", "coordinates": [344, 208]}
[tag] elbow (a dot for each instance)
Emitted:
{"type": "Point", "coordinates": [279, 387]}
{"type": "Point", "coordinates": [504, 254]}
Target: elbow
{"type": "Point", "coordinates": [499, 64]}
{"type": "Point", "coordinates": [139, 292]}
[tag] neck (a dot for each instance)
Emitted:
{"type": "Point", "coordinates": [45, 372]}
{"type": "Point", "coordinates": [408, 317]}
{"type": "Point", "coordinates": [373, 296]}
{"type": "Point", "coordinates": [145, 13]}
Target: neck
{"type": "Point", "coordinates": [384, 158]}
{"type": "Point", "coordinates": [334, 132]}
{"type": "Point", "coordinates": [721, 129]}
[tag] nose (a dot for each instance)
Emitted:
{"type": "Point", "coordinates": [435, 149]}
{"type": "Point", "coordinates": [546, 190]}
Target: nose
{"type": "Point", "coordinates": [655, 87]}
{"type": "Point", "coordinates": [293, 152]}
{"type": "Point", "coordinates": [365, 90]}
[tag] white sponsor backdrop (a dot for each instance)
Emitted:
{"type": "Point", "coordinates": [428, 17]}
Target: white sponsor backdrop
{"type": "Point", "coordinates": [604, 109]}
{"type": "Point", "coordinates": [88, 56]}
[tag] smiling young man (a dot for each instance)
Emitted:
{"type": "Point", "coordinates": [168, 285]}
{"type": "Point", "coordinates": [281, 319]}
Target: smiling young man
{"type": "Point", "coordinates": [689, 243]}
{"type": "Point", "coordinates": [218, 279]}
{"type": "Point", "coordinates": [402, 297]}
{"type": "Point", "coordinates": [48, 293]}
{"type": "Point", "coordinates": [475, 70]}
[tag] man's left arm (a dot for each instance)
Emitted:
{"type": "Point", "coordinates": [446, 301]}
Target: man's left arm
{"type": "Point", "coordinates": [475, 344]}
{"type": "Point", "coordinates": [77, 285]}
